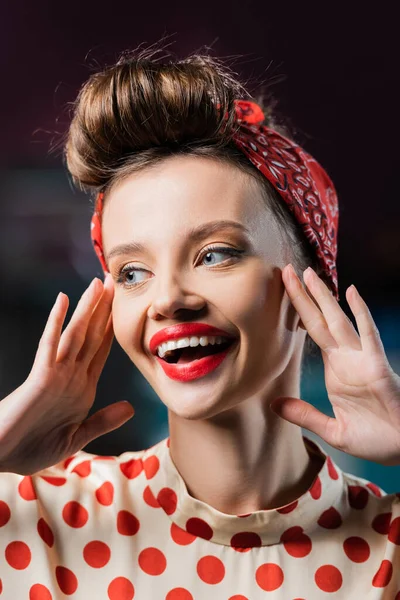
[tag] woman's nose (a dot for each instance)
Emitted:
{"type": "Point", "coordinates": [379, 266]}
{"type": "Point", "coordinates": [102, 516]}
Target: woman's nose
{"type": "Point", "coordinates": [171, 296]}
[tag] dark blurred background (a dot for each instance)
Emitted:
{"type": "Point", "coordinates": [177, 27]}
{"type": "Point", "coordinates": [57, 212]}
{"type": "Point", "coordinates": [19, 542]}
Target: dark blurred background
{"type": "Point", "coordinates": [336, 77]}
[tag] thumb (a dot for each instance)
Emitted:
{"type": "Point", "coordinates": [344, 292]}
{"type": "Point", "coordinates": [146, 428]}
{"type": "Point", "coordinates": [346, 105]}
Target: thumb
{"type": "Point", "coordinates": [103, 421]}
{"type": "Point", "coordinates": [305, 415]}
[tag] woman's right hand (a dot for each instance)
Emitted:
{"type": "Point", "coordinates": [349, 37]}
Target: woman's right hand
{"type": "Point", "coordinates": [45, 420]}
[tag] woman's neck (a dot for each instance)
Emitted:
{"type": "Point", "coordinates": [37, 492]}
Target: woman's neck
{"type": "Point", "coordinates": [244, 462]}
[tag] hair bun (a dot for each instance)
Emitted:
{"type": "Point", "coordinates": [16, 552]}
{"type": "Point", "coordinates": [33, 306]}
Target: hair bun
{"type": "Point", "coordinates": [140, 104]}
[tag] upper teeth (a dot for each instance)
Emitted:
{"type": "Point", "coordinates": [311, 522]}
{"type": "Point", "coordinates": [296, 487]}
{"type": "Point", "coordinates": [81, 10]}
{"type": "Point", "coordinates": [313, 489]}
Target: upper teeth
{"type": "Point", "coordinates": [193, 341]}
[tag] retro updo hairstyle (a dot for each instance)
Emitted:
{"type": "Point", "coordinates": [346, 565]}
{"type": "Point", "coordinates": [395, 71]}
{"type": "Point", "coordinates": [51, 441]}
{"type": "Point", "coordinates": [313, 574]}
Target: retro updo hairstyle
{"type": "Point", "coordinates": [135, 113]}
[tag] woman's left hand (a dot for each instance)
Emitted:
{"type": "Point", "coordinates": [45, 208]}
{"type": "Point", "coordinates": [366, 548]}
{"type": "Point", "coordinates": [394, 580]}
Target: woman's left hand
{"type": "Point", "coordinates": [362, 387]}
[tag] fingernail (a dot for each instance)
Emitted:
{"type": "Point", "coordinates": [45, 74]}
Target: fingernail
{"type": "Point", "coordinates": [94, 284]}
{"type": "Point", "coordinates": [58, 299]}
{"type": "Point", "coordinates": [292, 273]}
{"type": "Point", "coordinates": [108, 280]}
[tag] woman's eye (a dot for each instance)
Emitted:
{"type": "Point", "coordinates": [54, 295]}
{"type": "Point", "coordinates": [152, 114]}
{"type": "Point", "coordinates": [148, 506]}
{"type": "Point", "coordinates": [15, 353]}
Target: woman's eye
{"type": "Point", "coordinates": [129, 276]}
{"type": "Point", "coordinates": [127, 271]}
{"type": "Point", "coordinates": [207, 255]}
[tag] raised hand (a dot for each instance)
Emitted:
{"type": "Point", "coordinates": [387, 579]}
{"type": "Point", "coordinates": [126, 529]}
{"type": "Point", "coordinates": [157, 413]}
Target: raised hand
{"type": "Point", "coordinates": [44, 420]}
{"type": "Point", "coordinates": [362, 387]}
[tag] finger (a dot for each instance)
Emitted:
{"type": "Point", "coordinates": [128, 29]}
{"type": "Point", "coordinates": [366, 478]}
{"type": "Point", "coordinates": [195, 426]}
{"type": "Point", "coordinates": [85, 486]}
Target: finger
{"type": "Point", "coordinates": [74, 334]}
{"type": "Point", "coordinates": [312, 318]}
{"type": "Point", "coordinates": [96, 366]}
{"type": "Point", "coordinates": [338, 322]}
{"type": "Point", "coordinates": [305, 415]}
{"type": "Point", "coordinates": [97, 324]}
{"type": "Point", "coordinates": [370, 338]}
{"type": "Point", "coordinates": [48, 344]}
{"type": "Point", "coordinates": [103, 421]}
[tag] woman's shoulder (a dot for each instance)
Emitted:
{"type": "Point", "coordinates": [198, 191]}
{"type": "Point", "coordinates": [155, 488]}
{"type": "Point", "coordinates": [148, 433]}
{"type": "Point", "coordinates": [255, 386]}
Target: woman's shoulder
{"type": "Point", "coordinates": [77, 474]}
{"type": "Point", "coordinates": [358, 487]}
{"type": "Point", "coordinates": [372, 502]}
{"type": "Point", "coordinates": [130, 464]}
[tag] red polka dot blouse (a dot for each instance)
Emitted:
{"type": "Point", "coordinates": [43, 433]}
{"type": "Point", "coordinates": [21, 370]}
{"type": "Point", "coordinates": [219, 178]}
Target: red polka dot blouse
{"type": "Point", "coordinates": [125, 527]}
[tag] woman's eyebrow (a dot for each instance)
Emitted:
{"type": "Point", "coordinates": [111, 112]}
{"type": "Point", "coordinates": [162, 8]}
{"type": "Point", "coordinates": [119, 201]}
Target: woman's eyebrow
{"type": "Point", "coordinates": [196, 234]}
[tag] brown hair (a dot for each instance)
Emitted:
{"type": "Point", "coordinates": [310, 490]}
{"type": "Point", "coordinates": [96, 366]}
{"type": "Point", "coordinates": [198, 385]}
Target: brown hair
{"type": "Point", "coordinates": [135, 113]}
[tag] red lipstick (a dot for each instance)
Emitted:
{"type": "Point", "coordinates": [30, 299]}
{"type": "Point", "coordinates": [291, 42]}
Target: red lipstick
{"type": "Point", "coordinates": [196, 368]}
{"type": "Point", "coordinates": [184, 330]}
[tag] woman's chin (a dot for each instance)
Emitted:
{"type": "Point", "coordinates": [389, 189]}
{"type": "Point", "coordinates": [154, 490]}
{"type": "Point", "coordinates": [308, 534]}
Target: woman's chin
{"type": "Point", "coordinates": [197, 404]}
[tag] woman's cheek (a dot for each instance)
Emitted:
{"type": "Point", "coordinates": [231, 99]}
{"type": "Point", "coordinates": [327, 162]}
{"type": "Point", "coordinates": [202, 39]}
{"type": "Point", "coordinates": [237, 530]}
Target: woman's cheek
{"type": "Point", "coordinates": [248, 293]}
{"type": "Point", "coordinates": [259, 309]}
{"type": "Point", "coordinates": [121, 322]}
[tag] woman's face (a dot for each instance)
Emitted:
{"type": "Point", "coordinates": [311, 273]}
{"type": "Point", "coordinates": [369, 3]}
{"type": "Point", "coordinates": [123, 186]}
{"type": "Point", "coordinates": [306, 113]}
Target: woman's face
{"type": "Point", "coordinates": [175, 277]}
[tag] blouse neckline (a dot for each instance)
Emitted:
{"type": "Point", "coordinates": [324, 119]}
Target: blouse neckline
{"type": "Point", "coordinates": [293, 521]}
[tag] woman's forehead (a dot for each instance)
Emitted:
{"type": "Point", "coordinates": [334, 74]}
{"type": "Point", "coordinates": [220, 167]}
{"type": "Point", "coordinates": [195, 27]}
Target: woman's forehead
{"type": "Point", "coordinates": [182, 191]}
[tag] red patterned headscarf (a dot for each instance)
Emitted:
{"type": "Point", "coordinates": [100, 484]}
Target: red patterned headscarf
{"type": "Point", "coordinates": [301, 181]}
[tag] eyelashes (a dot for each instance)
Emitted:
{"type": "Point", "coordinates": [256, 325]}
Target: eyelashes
{"type": "Point", "coordinates": [228, 251]}
{"type": "Point", "coordinates": [222, 249]}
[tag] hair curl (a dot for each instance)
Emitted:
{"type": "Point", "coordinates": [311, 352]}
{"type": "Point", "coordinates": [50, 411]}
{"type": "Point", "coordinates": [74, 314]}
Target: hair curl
{"type": "Point", "coordinates": [135, 113]}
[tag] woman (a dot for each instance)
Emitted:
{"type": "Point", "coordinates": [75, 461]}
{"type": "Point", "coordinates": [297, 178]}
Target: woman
{"type": "Point", "coordinates": [203, 207]}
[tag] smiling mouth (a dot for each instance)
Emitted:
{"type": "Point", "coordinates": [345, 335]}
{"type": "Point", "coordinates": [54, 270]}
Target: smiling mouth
{"type": "Point", "coordinates": [189, 354]}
